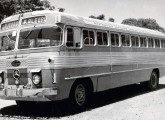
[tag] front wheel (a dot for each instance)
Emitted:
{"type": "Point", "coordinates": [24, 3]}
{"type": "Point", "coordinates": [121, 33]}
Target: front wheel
{"type": "Point", "coordinates": [79, 95]}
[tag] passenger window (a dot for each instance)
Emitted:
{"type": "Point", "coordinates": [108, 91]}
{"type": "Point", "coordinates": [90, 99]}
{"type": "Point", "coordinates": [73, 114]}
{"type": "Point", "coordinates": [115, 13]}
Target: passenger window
{"type": "Point", "coordinates": [125, 40]}
{"type": "Point", "coordinates": [163, 43]}
{"type": "Point", "coordinates": [143, 42]}
{"type": "Point", "coordinates": [88, 37]}
{"type": "Point", "coordinates": [135, 41]}
{"type": "Point", "coordinates": [150, 42]}
{"type": "Point", "coordinates": [114, 39]}
{"type": "Point", "coordinates": [157, 43]}
{"type": "Point", "coordinates": [102, 38]}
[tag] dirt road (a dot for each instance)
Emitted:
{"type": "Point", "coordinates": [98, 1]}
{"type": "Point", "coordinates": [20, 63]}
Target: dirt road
{"type": "Point", "coordinates": [126, 103]}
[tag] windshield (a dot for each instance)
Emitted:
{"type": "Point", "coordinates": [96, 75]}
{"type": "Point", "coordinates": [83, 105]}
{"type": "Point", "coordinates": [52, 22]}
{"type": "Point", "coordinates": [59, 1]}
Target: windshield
{"type": "Point", "coordinates": [40, 37]}
{"type": "Point", "coordinates": [7, 40]}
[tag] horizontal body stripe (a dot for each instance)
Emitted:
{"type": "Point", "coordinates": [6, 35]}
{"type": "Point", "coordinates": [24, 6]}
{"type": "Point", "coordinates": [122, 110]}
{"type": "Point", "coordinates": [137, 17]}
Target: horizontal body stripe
{"type": "Point", "coordinates": [85, 59]}
{"type": "Point", "coordinates": [104, 74]}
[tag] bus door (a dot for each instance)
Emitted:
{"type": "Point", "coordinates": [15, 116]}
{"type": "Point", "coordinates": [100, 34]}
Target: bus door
{"type": "Point", "coordinates": [74, 60]}
{"type": "Point", "coordinates": [81, 44]}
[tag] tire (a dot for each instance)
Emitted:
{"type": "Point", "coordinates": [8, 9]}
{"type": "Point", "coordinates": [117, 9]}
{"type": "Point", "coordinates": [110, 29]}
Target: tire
{"type": "Point", "coordinates": [153, 82]}
{"type": "Point", "coordinates": [79, 95]}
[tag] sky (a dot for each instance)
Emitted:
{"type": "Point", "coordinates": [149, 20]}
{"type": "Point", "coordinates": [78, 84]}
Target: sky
{"type": "Point", "coordinates": [117, 9]}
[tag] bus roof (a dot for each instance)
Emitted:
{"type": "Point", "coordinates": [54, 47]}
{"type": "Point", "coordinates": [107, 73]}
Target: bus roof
{"type": "Point", "coordinates": [74, 20]}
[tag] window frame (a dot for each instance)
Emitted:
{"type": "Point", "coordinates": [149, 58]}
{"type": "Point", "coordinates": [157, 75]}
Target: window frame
{"type": "Point", "coordinates": [135, 41]}
{"type": "Point", "coordinates": [159, 42]}
{"type": "Point", "coordinates": [129, 39]}
{"type": "Point", "coordinates": [115, 39]}
{"type": "Point", "coordinates": [81, 42]}
{"type": "Point", "coordinates": [95, 42]}
{"type": "Point", "coordinates": [102, 31]}
{"type": "Point", "coordinates": [153, 42]}
{"type": "Point", "coordinates": [146, 39]}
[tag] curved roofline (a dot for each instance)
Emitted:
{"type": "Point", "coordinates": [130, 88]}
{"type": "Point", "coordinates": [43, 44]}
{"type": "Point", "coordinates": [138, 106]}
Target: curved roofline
{"type": "Point", "coordinates": [100, 23]}
{"type": "Point", "coordinates": [110, 25]}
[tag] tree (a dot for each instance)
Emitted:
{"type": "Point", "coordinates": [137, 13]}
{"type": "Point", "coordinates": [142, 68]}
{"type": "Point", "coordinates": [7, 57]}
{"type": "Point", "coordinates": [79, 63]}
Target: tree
{"type": "Point", "coordinates": [92, 16]}
{"type": "Point", "coordinates": [32, 5]}
{"type": "Point", "coordinates": [148, 23]}
{"type": "Point", "coordinates": [100, 17]}
{"type": "Point", "coordinates": [61, 9]}
{"type": "Point", "coordinates": [111, 20]}
{"type": "Point", "coordinates": [11, 7]}
{"type": "Point", "coordinates": [130, 21]}
{"type": "Point", "coordinates": [7, 8]}
{"type": "Point", "coordinates": [145, 23]}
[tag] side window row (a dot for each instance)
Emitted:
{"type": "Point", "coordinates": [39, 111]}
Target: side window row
{"type": "Point", "coordinates": [136, 41]}
{"type": "Point", "coordinates": [74, 37]}
{"type": "Point", "coordinates": [88, 35]}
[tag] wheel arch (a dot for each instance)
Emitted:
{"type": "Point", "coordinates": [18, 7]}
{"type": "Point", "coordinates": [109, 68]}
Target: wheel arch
{"type": "Point", "coordinates": [87, 81]}
{"type": "Point", "coordinates": [157, 71]}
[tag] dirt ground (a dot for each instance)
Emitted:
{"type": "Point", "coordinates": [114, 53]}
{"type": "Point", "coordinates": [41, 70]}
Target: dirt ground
{"type": "Point", "coordinates": [126, 103]}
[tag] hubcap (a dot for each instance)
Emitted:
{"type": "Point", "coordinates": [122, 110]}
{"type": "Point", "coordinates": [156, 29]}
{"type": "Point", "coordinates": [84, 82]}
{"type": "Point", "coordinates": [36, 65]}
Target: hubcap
{"type": "Point", "coordinates": [80, 94]}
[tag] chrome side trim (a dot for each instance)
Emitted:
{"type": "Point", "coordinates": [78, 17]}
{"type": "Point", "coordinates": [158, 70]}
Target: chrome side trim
{"type": "Point", "coordinates": [104, 74]}
{"type": "Point", "coordinates": [35, 70]}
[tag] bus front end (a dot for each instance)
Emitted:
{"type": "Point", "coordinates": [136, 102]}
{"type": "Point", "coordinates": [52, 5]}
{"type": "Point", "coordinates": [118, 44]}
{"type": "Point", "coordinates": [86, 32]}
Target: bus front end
{"type": "Point", "coordinates": [24, 84]}
{"type": "Point", "coordinates": [28, 44]}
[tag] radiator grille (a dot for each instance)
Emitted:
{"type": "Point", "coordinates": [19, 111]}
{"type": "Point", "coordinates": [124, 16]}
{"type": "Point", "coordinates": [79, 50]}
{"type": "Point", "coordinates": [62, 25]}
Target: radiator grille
{"type": "Point", "coordinates": [23, 76]}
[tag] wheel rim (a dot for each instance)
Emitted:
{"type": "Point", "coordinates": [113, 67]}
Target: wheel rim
{"type": "Point", "coordinates": [154, 80]}
{"type": "Point", "coordinates": [80, 94]}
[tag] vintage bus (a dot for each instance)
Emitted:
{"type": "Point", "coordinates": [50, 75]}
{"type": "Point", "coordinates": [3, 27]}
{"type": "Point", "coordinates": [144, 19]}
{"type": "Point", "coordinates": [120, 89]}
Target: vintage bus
{"type": "Point", "coordinates": [50, 56]}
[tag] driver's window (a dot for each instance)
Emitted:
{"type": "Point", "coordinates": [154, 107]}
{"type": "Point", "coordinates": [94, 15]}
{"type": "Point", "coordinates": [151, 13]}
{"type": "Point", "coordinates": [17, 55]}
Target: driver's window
{"type": "Point", "coordinates": [73, 37]}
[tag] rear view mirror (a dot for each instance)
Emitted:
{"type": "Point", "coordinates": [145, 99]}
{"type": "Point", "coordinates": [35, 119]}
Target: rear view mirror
{"type": "Point", "coordinates": [14, 33]}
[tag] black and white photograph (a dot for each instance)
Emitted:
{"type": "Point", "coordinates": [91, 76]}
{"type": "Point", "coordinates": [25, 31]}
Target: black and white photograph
{"type": "Point", "coordinates": [82, 59]}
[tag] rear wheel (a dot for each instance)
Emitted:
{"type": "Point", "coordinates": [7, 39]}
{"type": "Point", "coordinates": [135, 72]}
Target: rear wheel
{"type": "Point", "coordinates": [153, 82]}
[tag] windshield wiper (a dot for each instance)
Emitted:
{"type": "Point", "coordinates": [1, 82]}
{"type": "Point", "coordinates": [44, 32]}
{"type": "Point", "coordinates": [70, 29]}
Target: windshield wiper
{"type": "Point", "coordinates": [8, 36]}
{"type": "Point", "coordinates": [28, 34]}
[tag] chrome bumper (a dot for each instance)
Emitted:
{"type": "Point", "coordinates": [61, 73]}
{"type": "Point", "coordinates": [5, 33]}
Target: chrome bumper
{"type": "Point", "coordinates": [28, 94]}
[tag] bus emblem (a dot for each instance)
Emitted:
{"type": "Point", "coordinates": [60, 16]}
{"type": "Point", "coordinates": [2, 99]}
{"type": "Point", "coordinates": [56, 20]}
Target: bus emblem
{"type": "Point", "coordinates": [16, 63]}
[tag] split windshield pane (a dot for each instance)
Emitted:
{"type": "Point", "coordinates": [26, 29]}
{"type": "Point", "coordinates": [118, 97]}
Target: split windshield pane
{"type": "Point", "coordinates": [40, 37]}
{"type": "Point", "coordinates": [7, 41]}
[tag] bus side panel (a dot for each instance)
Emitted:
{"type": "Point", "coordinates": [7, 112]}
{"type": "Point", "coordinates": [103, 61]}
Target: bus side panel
{"type": "Point", "coordinates": [66, 77]}
{"type": "Point", "coordinates": [123, 78]}
{"type": "Point", "coordinates": [161, 71]}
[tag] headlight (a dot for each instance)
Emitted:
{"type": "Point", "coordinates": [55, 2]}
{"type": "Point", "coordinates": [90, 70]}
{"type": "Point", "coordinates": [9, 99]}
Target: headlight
{"type": "Point", "coordinates": [1, 79]}
{"type": "Point", "coordinates": [36, 79]}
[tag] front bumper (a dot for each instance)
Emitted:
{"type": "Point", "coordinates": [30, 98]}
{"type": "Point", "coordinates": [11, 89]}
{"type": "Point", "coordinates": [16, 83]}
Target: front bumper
{"type": "Point", "coordinates": [41, 94]}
